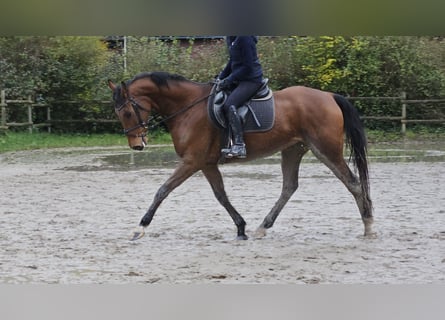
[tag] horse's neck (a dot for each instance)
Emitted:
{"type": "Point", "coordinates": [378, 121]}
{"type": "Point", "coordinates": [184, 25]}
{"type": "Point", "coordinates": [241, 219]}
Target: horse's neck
{"type": "Point", "coordinates": [179, 96]}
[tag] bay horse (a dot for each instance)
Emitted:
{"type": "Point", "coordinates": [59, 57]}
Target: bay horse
{"type": "Point", "coordinates": [305, 119]}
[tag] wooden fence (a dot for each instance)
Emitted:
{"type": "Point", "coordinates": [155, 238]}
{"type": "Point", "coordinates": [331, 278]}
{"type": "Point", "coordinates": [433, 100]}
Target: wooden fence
{"type": "Point", "coordinates": [30, 104]}
{"type": "Point", "coordinates": [403, 118]}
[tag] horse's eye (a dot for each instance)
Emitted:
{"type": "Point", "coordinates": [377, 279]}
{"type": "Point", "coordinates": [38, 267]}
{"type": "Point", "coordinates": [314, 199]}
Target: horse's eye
{"type": "Point", "coordinates": [127, 114]}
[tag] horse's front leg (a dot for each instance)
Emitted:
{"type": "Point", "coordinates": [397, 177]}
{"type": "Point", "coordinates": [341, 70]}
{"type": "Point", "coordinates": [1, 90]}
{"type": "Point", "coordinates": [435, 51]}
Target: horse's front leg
{"type": "Point", "coordinates": [182, 173]}
{"type": "Point", "coordinates": [214, 177]}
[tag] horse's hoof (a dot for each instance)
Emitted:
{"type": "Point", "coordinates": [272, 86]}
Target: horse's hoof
{"type": "Point", "coordinates": [242, 237]}
{"type": "Point", "coordinates": [138, 233]}
{"type": "Point", "coordinates": [370, 235]}
{"type": "Point", "coordinates": [260, 233]}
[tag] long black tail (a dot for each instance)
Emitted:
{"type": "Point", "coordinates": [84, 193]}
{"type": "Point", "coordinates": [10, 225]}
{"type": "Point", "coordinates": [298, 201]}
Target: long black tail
{"type": "Point", "coordinates": [355, 140]}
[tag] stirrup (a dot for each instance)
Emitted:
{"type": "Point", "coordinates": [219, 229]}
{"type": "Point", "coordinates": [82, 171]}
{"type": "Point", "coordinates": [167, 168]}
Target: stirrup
{"type": "Point", "coordinates": [236, 151]}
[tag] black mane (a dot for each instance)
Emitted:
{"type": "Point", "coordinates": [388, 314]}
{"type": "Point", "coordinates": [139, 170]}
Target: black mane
{"type": "Point", "coordinates": [160, 78]}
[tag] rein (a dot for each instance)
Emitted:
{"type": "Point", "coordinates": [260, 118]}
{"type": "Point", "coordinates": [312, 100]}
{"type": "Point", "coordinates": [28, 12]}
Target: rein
{"type": "Point", "coordinates": [155, 125]}
{"type": "Point", "coordinates": [145, 124]}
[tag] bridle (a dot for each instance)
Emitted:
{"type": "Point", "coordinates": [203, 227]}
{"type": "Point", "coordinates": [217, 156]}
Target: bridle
{"type": "Point", "coordinates": [145, 124]}
{"type": "Point", "coordinates": [141, 123]}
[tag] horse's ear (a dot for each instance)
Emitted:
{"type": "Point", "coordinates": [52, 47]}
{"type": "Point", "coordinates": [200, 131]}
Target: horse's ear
{"type": "Point", "coordinates": [111, 85]}
{"type": "Point", "coordinates": [124, 89]}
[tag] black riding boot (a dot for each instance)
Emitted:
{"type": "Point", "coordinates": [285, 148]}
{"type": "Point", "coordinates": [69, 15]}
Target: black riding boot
{"type": "Point", "coordinates": [238, 149]}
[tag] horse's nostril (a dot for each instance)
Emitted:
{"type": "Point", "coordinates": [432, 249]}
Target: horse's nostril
{"type": "Point", "coordinates": [138, 148]}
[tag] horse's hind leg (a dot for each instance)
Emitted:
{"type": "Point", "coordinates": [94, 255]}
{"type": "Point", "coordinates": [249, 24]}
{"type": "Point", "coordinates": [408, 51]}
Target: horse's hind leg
{"type": "Point", "coordinates": [290, 165]}
{"type": "Point", "coordinates": [334, 160]}
{"type": "Point", "coordinates": [214, 177]}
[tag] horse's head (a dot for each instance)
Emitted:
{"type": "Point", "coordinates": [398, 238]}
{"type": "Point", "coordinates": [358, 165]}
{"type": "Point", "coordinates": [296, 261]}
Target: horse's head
{"type": "Point", "coordinates": [133, 113]}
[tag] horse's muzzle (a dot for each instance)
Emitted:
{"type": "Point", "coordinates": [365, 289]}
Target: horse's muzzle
{"type": "Point", "coordinates": [137, 142]}
{"type": "Point", "coordinates": [138, 148]}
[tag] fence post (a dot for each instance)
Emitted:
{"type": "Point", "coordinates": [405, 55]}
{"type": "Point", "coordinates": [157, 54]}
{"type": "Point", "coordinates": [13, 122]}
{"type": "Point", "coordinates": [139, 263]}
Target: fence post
{"type": "Point", "coordinates": [403, 120]}
{"type": "Point", "coordinates": [3, 106]}
{"type": "Point", "coordinates": [30, 124]}
{"type": "Point", "coordinates": [48, 118]}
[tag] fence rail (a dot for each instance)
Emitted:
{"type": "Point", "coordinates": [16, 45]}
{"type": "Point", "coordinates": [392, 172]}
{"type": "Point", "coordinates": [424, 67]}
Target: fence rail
{"type": "Point", "coordinates": [30, 104]}
{"type": "Point", "coordinates": [403, 118]}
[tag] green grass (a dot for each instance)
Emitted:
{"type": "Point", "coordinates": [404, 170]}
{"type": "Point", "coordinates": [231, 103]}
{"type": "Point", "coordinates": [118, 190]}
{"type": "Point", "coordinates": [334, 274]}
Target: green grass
{"type": "Point", "coordinates": [16, 141]}
{"type": "Point", "coordinates": [377, 136]}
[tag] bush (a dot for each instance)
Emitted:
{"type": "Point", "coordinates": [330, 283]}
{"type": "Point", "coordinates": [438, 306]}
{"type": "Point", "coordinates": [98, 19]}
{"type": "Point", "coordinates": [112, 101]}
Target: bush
{"type": "Point", "coordinates": [362, 66]}
{"type": "Point", "coordinates": [57, 69]}
{"type": "Point", "coordinates": [76, 69]}
{"type": "Point", "coordinates": [193, 60]}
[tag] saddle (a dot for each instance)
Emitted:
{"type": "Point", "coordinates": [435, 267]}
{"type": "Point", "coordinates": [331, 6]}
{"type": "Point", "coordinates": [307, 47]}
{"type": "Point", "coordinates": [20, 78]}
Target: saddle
{"type": "Point", "coordinates": [257, 115]}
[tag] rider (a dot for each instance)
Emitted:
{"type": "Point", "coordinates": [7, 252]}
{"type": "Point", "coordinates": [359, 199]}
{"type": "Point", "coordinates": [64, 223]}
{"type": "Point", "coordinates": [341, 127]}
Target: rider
{"type": "Point", "coordinates": [243, 76]}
